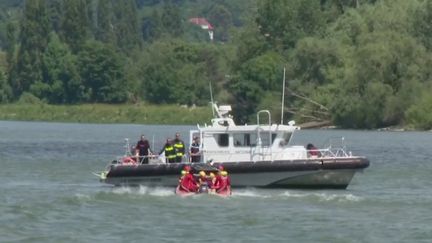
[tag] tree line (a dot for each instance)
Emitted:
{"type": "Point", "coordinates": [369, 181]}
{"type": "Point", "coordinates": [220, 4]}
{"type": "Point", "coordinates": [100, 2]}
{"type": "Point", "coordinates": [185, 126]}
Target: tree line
{"type": "Point", "coordinates": [356, 63]}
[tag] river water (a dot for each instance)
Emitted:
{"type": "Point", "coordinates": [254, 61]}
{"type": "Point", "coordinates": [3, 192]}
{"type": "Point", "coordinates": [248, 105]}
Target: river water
{"type": "Point", "coordinates": [48, 193]}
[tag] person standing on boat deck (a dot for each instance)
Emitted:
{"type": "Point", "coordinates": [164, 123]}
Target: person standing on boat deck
{"type": "Point", "coordinates": [143, 150]}
{"type": "Point", "coordinates": [179, 148]}
{"type": "Point", "coordinates": [313, 151]}
{"type": "Point", "coordinates": [168, 149]}
{"type": "Point", "coordinates": [194, 151]}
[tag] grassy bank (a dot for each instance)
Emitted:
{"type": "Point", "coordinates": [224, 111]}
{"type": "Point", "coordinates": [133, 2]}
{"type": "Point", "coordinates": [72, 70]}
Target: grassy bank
{"type": "Point", "coordinates": [102, 113]}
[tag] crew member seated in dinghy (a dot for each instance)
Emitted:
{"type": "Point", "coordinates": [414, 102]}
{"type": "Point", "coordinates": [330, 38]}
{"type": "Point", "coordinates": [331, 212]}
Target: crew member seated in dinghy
{"type": "Point", "coordinates": [203, 181]}
{"type": "Point", "coordinates": [222, 183]}
{"type": "Point", "coordinates": [183, 173]}
{"type": "Point", "coordinates": [187, 182]}
{"type": "Point", "coordinates": [211, 180]}
{"type": "Point", "coordinates": [216, 179]}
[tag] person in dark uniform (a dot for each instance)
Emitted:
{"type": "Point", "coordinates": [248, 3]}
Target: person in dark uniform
{"type": "Point", "coordinates": [194, 151]}
{"type": "Point", "coordinates": [142, 149]}
{"type": "Point", "coordinates": [168, 149]}
{"type": "Point", "coordinates": [179, 148]}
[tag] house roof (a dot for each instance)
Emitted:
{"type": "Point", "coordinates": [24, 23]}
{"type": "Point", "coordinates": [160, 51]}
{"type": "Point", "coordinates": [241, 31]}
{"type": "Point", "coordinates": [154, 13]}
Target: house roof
{"type": "Point", "coordinates": [201, 22]}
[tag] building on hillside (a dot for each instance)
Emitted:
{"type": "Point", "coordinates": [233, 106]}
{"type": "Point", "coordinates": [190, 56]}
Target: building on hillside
{"type": "Point", "coordinates": [204, 24]}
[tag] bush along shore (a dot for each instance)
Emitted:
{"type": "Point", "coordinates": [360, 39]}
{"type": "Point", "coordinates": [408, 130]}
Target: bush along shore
{"type": "Point", "coordinates": [103, 113]}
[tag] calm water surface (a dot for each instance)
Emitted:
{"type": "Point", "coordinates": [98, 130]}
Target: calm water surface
{"type": "Point", "coordinates": [48, 193]}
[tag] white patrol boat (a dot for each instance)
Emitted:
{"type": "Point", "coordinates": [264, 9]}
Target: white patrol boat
{"type": "Point", "coordinates": [257, 155]}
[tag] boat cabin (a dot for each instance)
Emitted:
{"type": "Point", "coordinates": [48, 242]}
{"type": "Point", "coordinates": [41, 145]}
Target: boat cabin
{"type": "Point", "coordinates": [224, 141]}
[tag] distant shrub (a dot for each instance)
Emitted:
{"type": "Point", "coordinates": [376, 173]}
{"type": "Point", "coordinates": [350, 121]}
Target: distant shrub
{"type": "Point", "coordinates": [420, 114]}
{"type": "Point", "coordinates": [28, 98]}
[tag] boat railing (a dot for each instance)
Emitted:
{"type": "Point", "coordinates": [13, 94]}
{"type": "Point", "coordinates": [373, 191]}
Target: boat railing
{"type": "Point", "coordinates": [332, 153]}
{"type": "Point", "coordinates": [136, 160]}
{"type": "Point", "coordinates": [334, 147]}
{"type": "Point", "coordinates": [309, 154]}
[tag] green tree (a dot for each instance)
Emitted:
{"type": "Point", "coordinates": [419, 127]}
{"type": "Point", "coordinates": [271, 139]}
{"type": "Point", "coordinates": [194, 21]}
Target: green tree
{"type": "Point", "coordinates": [221, 18]}
{"type": "Point", "coordinates": [386, 68]}
{"type": "Point", "coordinates": [250, 43]}
{"type": "Point", "coordinates": [311, 59]}
{"type": "Point", "coordinates": [11, 47]}
{"type": "Point", "coordinates": [419, 115]}
{"type": "Point", "coordinates": [171, 20]}
{"type": "Point", "coordinates": [349, 27]}
{"type": "Point", "coordinates": [246, 96]}
{"type": "Point", "coordinates": [151, 26]}
{"type": "Point", "coordinates": [177, 72]}
{"type": "Point", "coordinates": [102, 72]}
{"type": "Point", "coordinates": [422, 20]}
{"type": "Point", "coordinates": [5, 89]}
{"type": "Point", "coordinates": [105, 22]}
{"type": "Point", "coordinates": [255, 77]}
{"type": "Point", "coordinates": [285, 22]}
{"type": "Point", "coordinates": [75, 25]}
{"type": "Point", "coordinates": [33, 40]}
{"type": "Point", "coordinates": [126, 25]}
{"type": "Point", "coordinates": [265, 70]}
{"type": "Point", "coordinates": [55, 12]}
{"type": "Point", "coordinates": [60, 75]}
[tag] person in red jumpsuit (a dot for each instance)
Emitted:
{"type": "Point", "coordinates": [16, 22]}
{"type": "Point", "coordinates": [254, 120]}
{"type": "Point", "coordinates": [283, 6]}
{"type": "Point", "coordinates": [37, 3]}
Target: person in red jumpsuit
{"type": "Point", "coordinates": [211, 180]}
{"type": "Point", "coordinates": [187, 182]}
{"type": "Point", "coordinates": [216, 180]}
{"type": "Point", "coordinates": [222, 184]}
{"type": "Point", "coordinates": [313, 151]}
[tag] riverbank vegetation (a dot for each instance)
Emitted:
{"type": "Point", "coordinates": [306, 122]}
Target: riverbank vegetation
{"type": "Point", "coordinates": [355, 64]}
{"type": "Point", "coordinates": [140, 113]}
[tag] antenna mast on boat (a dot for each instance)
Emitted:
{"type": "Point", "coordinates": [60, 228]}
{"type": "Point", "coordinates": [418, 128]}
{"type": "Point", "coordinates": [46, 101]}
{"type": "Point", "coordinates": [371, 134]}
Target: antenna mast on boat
{"type": "Point", "coordinates": [211, 97]}
{"type": "Point", "coordinates": [283, 97]}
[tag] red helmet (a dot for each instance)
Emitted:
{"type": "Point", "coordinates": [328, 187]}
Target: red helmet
{"type": "Point", "coordinates": [187, 168]}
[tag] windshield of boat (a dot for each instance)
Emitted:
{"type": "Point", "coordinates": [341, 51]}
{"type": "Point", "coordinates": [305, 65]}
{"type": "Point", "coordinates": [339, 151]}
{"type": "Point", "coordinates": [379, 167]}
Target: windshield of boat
{"type": "Point", "coordinates": [286, 136]}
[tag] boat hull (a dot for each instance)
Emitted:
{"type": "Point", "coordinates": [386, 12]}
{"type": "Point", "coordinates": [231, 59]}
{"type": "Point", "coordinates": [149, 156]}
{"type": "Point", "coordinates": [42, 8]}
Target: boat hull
{"type": "Point", "coordinates": [319, 173]}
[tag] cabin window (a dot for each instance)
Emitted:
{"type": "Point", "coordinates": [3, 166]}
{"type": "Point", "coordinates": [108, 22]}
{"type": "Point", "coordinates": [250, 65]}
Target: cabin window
{"type": "Point", "coordinates": [265, 138]}
{"type": "Point", "coordinates": [243, 139]}
{"type": "Point", "coordinates": [285, 139]}
{"type": "Point", "coordinates": [222, 139]}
